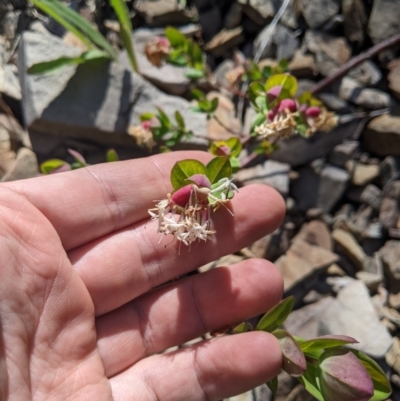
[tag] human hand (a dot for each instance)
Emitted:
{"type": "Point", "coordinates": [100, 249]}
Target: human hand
{"type": "Point", "coordinates": [83, 313]}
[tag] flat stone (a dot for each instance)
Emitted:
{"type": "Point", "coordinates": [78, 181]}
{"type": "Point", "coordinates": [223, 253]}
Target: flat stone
{"type": "Point", "coordinates": [322, 190]}
{"type": "Point", "coordinates": [270, 173]}
{"type": "Point", "coordinates": [383, 23]}
{"type": "Point", "coordinates": [374, 99]}
{"type": "Point", "coordinates": [317, 12]}
{"type": "Point", "coordinates": [334, 103]}
{"type": "Point", "coordinates": [224, 41]}
{"type": "Point", "coordinates": [350, 247]}
{"type": "Point", "coordinates": [162, 12]}
{"type": "Point", "coordinates": [390, 255]}
{"type": "Point", "coordinates": [24, 166]}
{"type": "Point", "coordinates": [366, 74]}
{"type": "Point", "coordinates": [344, 152]}
{"type": "Point", "coordinates": [371, 280]}
{"type": "Point", "coordinates": [352, 313]}
{"type": "Point", "coordinates": [389, 212]}
{"type": "Point", "coordinates": [9, 83]}
{"type": "Point", "coordinates": [394, 77]}
{"type": "Point", "coordinates": [302, 261]}
{"type": "Point", "coordinates": [330, 52]}
{"type": "Point", "coordinates": [317, 233]}
{"type": "Point", "coordinates": [225, 113]}
{"type": "Point", "coordinates": [95, 102]}
{"type": "Point", "coordinates": [354, 20]}
{"type": "Point", "coordinates": [364, 174]}
{"type": "Point", "coordinates": [389, 169]}
{"type": "Point", "coordinates": [382, 136]}
{"type": "Point", "coordinates": [372, 196]}
{"type": "Point", "coordinates": [304, 322]}
{"type": "Point", "coordinates": [393, 355]}
{"type": "Point", "coordinates": [302, 65]}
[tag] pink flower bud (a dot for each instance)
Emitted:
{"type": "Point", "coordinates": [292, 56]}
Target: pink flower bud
{"type": "Point", "coordinates": [181, 197]}
{"type": "Point", "coordinates": [313, 111]}
{"type": "Point", "coordinates": [200, 180]}
{"type": "Point", "coordinates": [344, 377]}
{"type": "Point", "coordinates": [146, 124]}
{"type": "Point", "coordinates": [288, 104]}
{"type": "Point", "coordinates": [273, 93]}
{"type": "Point", "coordinates": [164, 42]}
{"type": "Point", "coordinates": [223, 150]}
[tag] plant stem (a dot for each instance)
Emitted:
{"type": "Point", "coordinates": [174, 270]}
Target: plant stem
{"type": "Point", "coordinates": [229, 129]}
{"type": "Point", "coordinates": [355, 61]}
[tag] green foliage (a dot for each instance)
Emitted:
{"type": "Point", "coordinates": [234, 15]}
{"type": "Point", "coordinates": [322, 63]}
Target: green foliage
{"type": "Point", "coordinates": [256, 74]}
{"type": "Point", "coordinates": [276, 316]}
{"type": "Point", "coordinates": [273, 385]}
{"type": "Point", "coordinates": [185, 53]}
{"type": "Point", "coordinates": [112, 156]}
{"type": "Point", "coordinates": [230, 148]}
{"type": "Point", "coordinates": [203, 104]}
{"type": "Point", "coordinates": [218, 168]}
{"type": "Point", "coordinates": [122, 12]}
{"type": "Point", "coordinates": [51, 165]}
{"type": "Point", "coordinates": [242, 328]}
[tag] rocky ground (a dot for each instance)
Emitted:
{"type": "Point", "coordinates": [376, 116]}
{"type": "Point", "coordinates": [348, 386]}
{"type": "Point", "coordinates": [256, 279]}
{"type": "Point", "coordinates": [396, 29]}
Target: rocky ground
{"type": "Point", "coordinates": [339, 247]}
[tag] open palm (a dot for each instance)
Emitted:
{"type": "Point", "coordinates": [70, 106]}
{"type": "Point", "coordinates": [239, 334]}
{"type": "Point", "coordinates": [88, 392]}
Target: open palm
{"type": "Point", "coordinates": [84, 309]}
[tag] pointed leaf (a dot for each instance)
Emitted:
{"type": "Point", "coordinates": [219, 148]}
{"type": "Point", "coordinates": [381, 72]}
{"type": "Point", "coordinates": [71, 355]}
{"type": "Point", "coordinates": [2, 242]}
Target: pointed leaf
{"type": "Point", "coordinates": [193, 73]}
{"type": "Point", "coordinates": [175, 37]}
{"type": "Point", "coordinates": [180, 121]}
{"type": "Point", "coordinates": [310, 382]}
{"type": "Point", "coordinates": [112, 156]}
{"type": "Point", "coordinates": [235, 164]}
{"type": "Point", "coordinates": [198, 94]}
{"type": "Point", "coordinates": [185, 169]}
{"type": "Point", "coordinates": [242, 328]}
{"type": "Point", "coordinates": [146, 116]}
{"type": "Point", "coordinates": [259, 120]}
{"type": "Point", "coordinates": [218, 168]}
{"type": "Point", "coordinates": [51, 165]}
{"type": "Point", "coordinates": [78, 157]}
{"type": "Point", "coordinates": [235, 146]}
{"type": "Point", "coordinates": [273, 384]}
{"type": "Point", "coordinates": [325, 342]}
{"type": "Point", "coordinates": [163, 118]}
{"type": "Point", "coordinates": [276, 316]}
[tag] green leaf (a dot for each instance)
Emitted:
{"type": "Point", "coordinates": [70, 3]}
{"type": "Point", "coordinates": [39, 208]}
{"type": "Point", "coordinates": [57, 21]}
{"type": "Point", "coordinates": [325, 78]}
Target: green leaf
{"type": "Point", "coordinates": [163, 118]}
{"type": "Point", "coordinates": [283, 65]}
{"type": "Point", "coordinates": [122, 12]}
{"type": "Point", "coordinates": [52, 65]}
{"type": "Point", "coordinates": [259, 120]}
{"type": "Point", "coordinates": [198, 94]}
{"type": "Point", "coordinates": [180, 121]}
{"type": "Point", "coordinates": [261, 103]}
{"type": "Point", "coordinates": [50, 165]}
{"type": "Point", "coordinates": [235, 164]}
{"type": "Point", "coordinates": [146, 116]}
{"type": "Point", "coordinates": [382, 388]}
{"type": "Point", "coordinates": [175, 37]}
{"type": "Point", "coordinates": [218, 168]}
{"type": "Point", "coordinates": [185, 169]}
{"type": "Point", "coordinates": [193, 73]}
{"type": "Point", "coordinates": [287, 82]}
{"type": "Point", "coordinates": [177, 57]}
{"type": "Point", "coordinates": [309, 381]}
{"type": "Point", "coordinates": [195, 53]}
{"type": "Point", "coordinates": [325, 342]}
{"type": "Point", "coordinates": [75, 23]}
{"type": "Point", "coordinates": [242, 328]}
{"type": "Point", "coordinates": [112, 156]}
{"type": "Point", "coordinates": [214, 104]}
{"type": "Point", "coordinates": [255, 89]}
{"type": "Point", "coordinates": [273, 384]}
{"type": "Point", "coordinates": [234, 145]}
{"type": "Point", "coordinates": [266, 72]}
{"type": "Point", "coordinates": [276, 316]}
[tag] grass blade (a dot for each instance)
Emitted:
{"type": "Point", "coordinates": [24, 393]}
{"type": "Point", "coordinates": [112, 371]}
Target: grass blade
{"type": "Point", "coordinates": [122, 12]}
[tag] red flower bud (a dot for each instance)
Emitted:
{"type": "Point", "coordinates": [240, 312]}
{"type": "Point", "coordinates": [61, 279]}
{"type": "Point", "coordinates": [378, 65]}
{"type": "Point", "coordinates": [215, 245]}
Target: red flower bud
{"type": "Point", "coordinates": [272, 113]}
{"type": "Point", "coordinates": [288, 104]}
{"type": "Point", "coordinates": [313, 111]}
{"type": "Point", "coordinates": [181, 197]}
{"type": "Point", "coordinates": [273, 93]}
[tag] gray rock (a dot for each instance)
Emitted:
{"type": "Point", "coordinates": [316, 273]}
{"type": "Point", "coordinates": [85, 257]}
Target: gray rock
{"type": "Point", "coordinates": [317, 12]}
{"type": "Point", "coordinates": [389, 169]}
{"type": "Point", "coordinates": [303, 261]}
{"type": "Point", "coordinates": [366, 74]}
{"type": "Point", "coordinates": [372, 196]}
{"type": "Point", "coordinates": [24, 166]}
{"type": "Point", "coordinates": [363, 174]}
{"type": "Point", "coordinates": [302, 65]}
{"type": "Point", "coordinates": [162, 12]}
{"type": "Point", "coordinates": [224, 41]}
{"type": "Point", "coordinates": [389, 211]}
{"type": "Point", "coordinates": [317, 233]}
{"type": "Point", "coordinates": [334, 103]}
{"type": "Point", "coordinates": [96, 102]}
{"type": "Point", "coordinates": [169, 78]}
{"type": "Point", "coordinates": [319, 190]}
{"type": "Point", "coordinates": [233, 17]}
{"type": "Point", "coordinates": [384, 22]}
{"type": "Point", "coordinates": [7, 154]}
{"type": "Point", "coordinates": [352, 313]}
{"type": "Point", "coordinates": [9, 83]}
{"type": "Point", "coordinates": [350, 90]}
{"type": "Point", "coordinates": [270, 173]}
{"type": "Point", "coordinates": [283, 43]}
{"type": "Point", "coordinates": [354, 20]}
{"type": "Point", "coordinates": [393, 355]}
{"type": "Point", "coordinates": [394, 77]}
{"type": "Point", "coordinates": [390, 255]}
{"type": "Point", "coordinates": [382, 136]}
{"type": "Point", "coordinates": [330, 52]}
{"type": "Point", "coordinates": [344, 152]}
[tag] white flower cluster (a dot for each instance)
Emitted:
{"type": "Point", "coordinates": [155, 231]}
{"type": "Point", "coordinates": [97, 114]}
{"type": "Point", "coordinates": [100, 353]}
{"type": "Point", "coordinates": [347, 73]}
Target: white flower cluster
{"type": "Point", "coordinates": [282, 126]}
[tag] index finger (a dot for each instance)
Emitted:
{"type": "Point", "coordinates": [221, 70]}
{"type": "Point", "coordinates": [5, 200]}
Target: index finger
{"type": "Point", "coordinates": [86, 204]}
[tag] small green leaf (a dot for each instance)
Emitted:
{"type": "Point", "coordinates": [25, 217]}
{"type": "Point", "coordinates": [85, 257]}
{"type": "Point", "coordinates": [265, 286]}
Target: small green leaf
{"type": "Point", "coordinates": [261, 103]}
{"type": "Point", "coordinates": [195, 53]}
{"type": "Point", "coordinates": [193, 73]}
{"type": "Point", "coordinates": [287, 82]}
{"type": "Point", "coordinates": [214, 104]}
{"type": "Point", "coordinates": [273, 384]}
{"type": "Point", "coordinates": [78, 157]}
{"type": "Point", "coordinates": [235, 164]}
{"type": "Point", "coordinates": [52, 164]}
{"type": "Point", "coordinates": [283, 65]}
{"type": "Point", "coordinates": [177, 57]}
{"type": "Point", "coordinates": [309, 381]}
{"type": "Point", "coordinates": [266, 72]}
{"type": "Point", "coordinates": [242, 328]}
{"type": "Point", "coordinates": [259, 120]}
{"type": "Point", "coordinates": [146, 116]}
{"type": "Point", "coordinates": [218, 168]}
{"type": "Point", "coordinates": [325, 342]}
{"type": "Point", "coordinates": [175, 37]}
{"type": "Point", "coordinates": [163, 118]}
{"type": "Point", "coordinates": [255, 89]}
{"type": "Point", "coordinates": [185, 169]}
{"type": "Point", "coordinates": [180, 121]}
{"type": "Point", "coordinates": [234, 145]}
{"type": "Point", "coordinates": [112, 156]}
{"type": "Point", "coordinates": [198, 94]}
{"type": "Point", "coordinates": [276, 316]}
